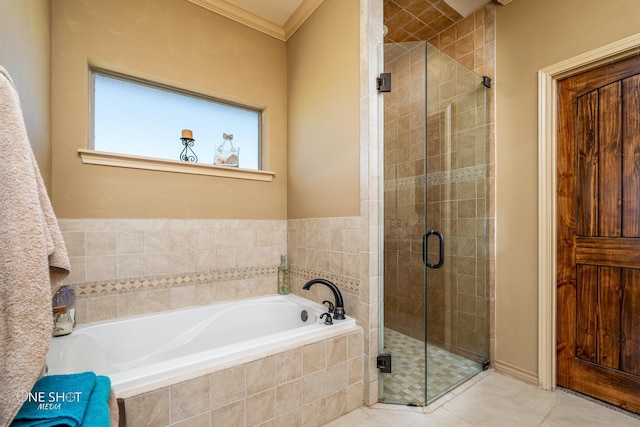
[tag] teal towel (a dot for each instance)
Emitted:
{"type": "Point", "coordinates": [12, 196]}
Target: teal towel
{"type": "Point", "coordinates": [97, 413]}
{"type": "Point", "coordinates": [63, 400]}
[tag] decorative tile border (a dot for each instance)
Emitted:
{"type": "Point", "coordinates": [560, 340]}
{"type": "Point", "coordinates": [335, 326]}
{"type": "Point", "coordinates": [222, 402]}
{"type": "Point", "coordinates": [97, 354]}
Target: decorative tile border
{"type": "Point", "coordinates": [95, 289]}
{"type": "Point", "coordinates": [135, 284]}
{"type": "Point", "coordinates": [349, 285]}
{"type": "Point", "coordinates": [471, 173]}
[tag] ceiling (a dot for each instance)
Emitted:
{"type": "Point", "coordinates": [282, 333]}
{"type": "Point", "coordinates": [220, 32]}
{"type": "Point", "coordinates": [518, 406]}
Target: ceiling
{"type": "Point", "coordinates": [413, 20]}
{"type": "Point", "coordinates": [406, 20]}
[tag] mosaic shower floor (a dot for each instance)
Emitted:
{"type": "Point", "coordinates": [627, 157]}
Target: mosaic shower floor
{"type": "Point", "coordinates": [405, 385]}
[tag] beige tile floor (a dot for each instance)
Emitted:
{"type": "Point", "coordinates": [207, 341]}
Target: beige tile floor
{"type": "Point", "coordinates": [493, 400]}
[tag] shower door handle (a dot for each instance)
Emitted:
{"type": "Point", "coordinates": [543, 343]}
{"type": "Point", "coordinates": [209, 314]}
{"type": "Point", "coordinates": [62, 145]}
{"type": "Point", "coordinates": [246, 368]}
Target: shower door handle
{"type": "Point", "coordinates": [425, 238]}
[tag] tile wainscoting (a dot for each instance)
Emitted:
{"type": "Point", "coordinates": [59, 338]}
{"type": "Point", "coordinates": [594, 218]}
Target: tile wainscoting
{"type": "Point", "coordinates": [128, 267]}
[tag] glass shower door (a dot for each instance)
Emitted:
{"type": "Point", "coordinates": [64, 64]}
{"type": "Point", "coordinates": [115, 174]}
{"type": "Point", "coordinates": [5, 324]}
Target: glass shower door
{"type": "Point", "coordinates": [435, 299]}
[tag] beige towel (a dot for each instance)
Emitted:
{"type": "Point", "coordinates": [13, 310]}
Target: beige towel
{"type": "Point", "coordinates": [33, 258]}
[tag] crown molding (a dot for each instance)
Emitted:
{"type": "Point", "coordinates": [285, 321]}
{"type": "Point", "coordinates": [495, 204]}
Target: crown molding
{"type": "Point", "coordinates": [242, 16]}
{"type": "Point", "coordinates": [250, 19]}
{"type": "Point", "coordinates": [299, 16]}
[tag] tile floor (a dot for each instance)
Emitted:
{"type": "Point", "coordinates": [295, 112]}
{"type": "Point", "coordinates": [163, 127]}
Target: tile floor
{"type": "Point", "coordinates": [405, 384]}
{"type": "Point", "coordinates": [493, 400]}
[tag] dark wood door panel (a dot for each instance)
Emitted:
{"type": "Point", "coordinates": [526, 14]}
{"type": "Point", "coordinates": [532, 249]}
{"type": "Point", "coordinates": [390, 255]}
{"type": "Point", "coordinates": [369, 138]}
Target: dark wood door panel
{"type": "Point", "coordinates": [608, 251]}
{"type": "Point", "coordinates": [586, 313]}
{"type": "Point", "coordinates": [602, 76]}
{"type": "Point", "coordinates": [609, 309]}
{"type": "Point", "coordinates": [610, 160]}
{"type": "Point", "coordinates": [598, 233]}
{"type": "Point", "coordinates": [610, 385]}
{"type": "Point", "coordinates": [587, 165]}
{"type": "Point", "coordinates": [607, 317]}
{"type": "Point", "coordinates": [631, 157]}
{"type": "Point", "coordinates": [630, 334]}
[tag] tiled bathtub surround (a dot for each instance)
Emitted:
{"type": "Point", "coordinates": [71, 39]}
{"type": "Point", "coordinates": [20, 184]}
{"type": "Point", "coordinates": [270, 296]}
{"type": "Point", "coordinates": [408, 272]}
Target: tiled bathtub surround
{"type": "Point", "coordinates": [124, 267]}
{"type": "Point", "coordinates": [132, 297]}
{"type": "Point", "coordinates": [127, 267]}
{"type": "Point", "coordinates": [309, 385]}
{"type": "Point", "coordinates": [326, 244]}
{"type": "Point", "coordinates": [345, 251]}
{"type": "Point", "coordinates": [328, 248]}
{"type": "Point", "coordinates": [130, 267]}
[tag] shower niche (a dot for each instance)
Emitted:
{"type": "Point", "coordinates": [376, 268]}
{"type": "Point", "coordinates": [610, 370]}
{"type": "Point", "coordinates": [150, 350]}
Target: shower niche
{"type": "Point", "coordinates": [434, 313]}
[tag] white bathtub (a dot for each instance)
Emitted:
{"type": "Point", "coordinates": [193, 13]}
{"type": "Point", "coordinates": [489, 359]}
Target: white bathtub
{"type": "Point", "coordinates": [137, 353]}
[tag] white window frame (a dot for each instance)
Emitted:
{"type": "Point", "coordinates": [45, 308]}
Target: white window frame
{"type": "Point", "coordinates": [93, 157]}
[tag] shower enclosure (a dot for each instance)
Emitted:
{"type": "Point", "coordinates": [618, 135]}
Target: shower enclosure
{"type": "Point", "coordinates": [434, 314]}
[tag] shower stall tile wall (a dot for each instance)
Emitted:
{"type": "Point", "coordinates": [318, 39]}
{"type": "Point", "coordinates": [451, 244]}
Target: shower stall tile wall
{"type": "Point", "coordinates": [437, 180]}
{"type": "Point", "coordinates": [456, 168]}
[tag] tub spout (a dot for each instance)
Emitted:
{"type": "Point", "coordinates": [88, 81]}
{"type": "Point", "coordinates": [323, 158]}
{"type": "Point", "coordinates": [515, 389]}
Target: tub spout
{"type": "Point", "coordinates": [338, 312]}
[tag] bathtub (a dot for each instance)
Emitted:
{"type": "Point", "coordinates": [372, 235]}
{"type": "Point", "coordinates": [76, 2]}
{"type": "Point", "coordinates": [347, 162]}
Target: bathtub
{"type": "Point", "coordinates": [141, 353]}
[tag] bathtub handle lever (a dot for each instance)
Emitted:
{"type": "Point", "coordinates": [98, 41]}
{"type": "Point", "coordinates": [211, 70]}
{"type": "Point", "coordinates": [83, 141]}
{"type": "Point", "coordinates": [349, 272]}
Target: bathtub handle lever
{"type": "Point", "coordinates": [330, 305]}
{"type": "Point", "coordinates": [328, 320]}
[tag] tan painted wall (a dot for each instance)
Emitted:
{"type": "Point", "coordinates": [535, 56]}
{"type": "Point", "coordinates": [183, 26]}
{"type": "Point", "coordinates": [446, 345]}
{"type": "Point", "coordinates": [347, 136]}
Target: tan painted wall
{"type": "Point", "coordinates": [323, 71]}
{"type": "Point", "coordinates": [533, 34]}
{"type": "Point", "coordinates": [178, 43]}
{"type": "Point", "coordinates": [25, 52]}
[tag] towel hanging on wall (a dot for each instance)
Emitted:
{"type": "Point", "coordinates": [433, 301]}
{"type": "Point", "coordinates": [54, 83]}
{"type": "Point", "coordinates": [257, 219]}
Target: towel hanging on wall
{"type": "Point", "coordinates": [33, 258]}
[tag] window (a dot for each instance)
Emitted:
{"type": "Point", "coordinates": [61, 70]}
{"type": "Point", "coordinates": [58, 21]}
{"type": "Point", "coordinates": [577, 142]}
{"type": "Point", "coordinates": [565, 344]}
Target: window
{"type": "Point", "coordinates": [137, 118]}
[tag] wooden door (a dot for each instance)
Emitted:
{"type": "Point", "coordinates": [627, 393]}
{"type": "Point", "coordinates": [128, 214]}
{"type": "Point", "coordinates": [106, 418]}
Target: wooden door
{"type": "Point", "coordinates": [598, 277]}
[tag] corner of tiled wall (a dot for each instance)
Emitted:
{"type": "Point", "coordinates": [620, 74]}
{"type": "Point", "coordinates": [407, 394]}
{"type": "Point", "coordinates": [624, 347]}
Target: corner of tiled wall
{"type": "Point", "coordinates": [370, 192]}
{"type": "Point", "coordinates": [326, 248]}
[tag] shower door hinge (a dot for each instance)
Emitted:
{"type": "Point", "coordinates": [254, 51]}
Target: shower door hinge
{"type": "Point", "coordinates": [383, 82]}
{"type": "Point", "coordinates": [486, 365]}
{"type": "Point", "coordinates": [384, 363]}
{"type": "Point", "coordinates": [486, 82]}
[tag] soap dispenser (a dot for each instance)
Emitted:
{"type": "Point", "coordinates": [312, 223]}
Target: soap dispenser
{"type": "Point", "coordinates": [283, 276]}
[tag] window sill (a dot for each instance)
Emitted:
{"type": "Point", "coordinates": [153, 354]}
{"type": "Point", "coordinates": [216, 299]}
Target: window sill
{"type": "Point", "coordinates": [147, 163]}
